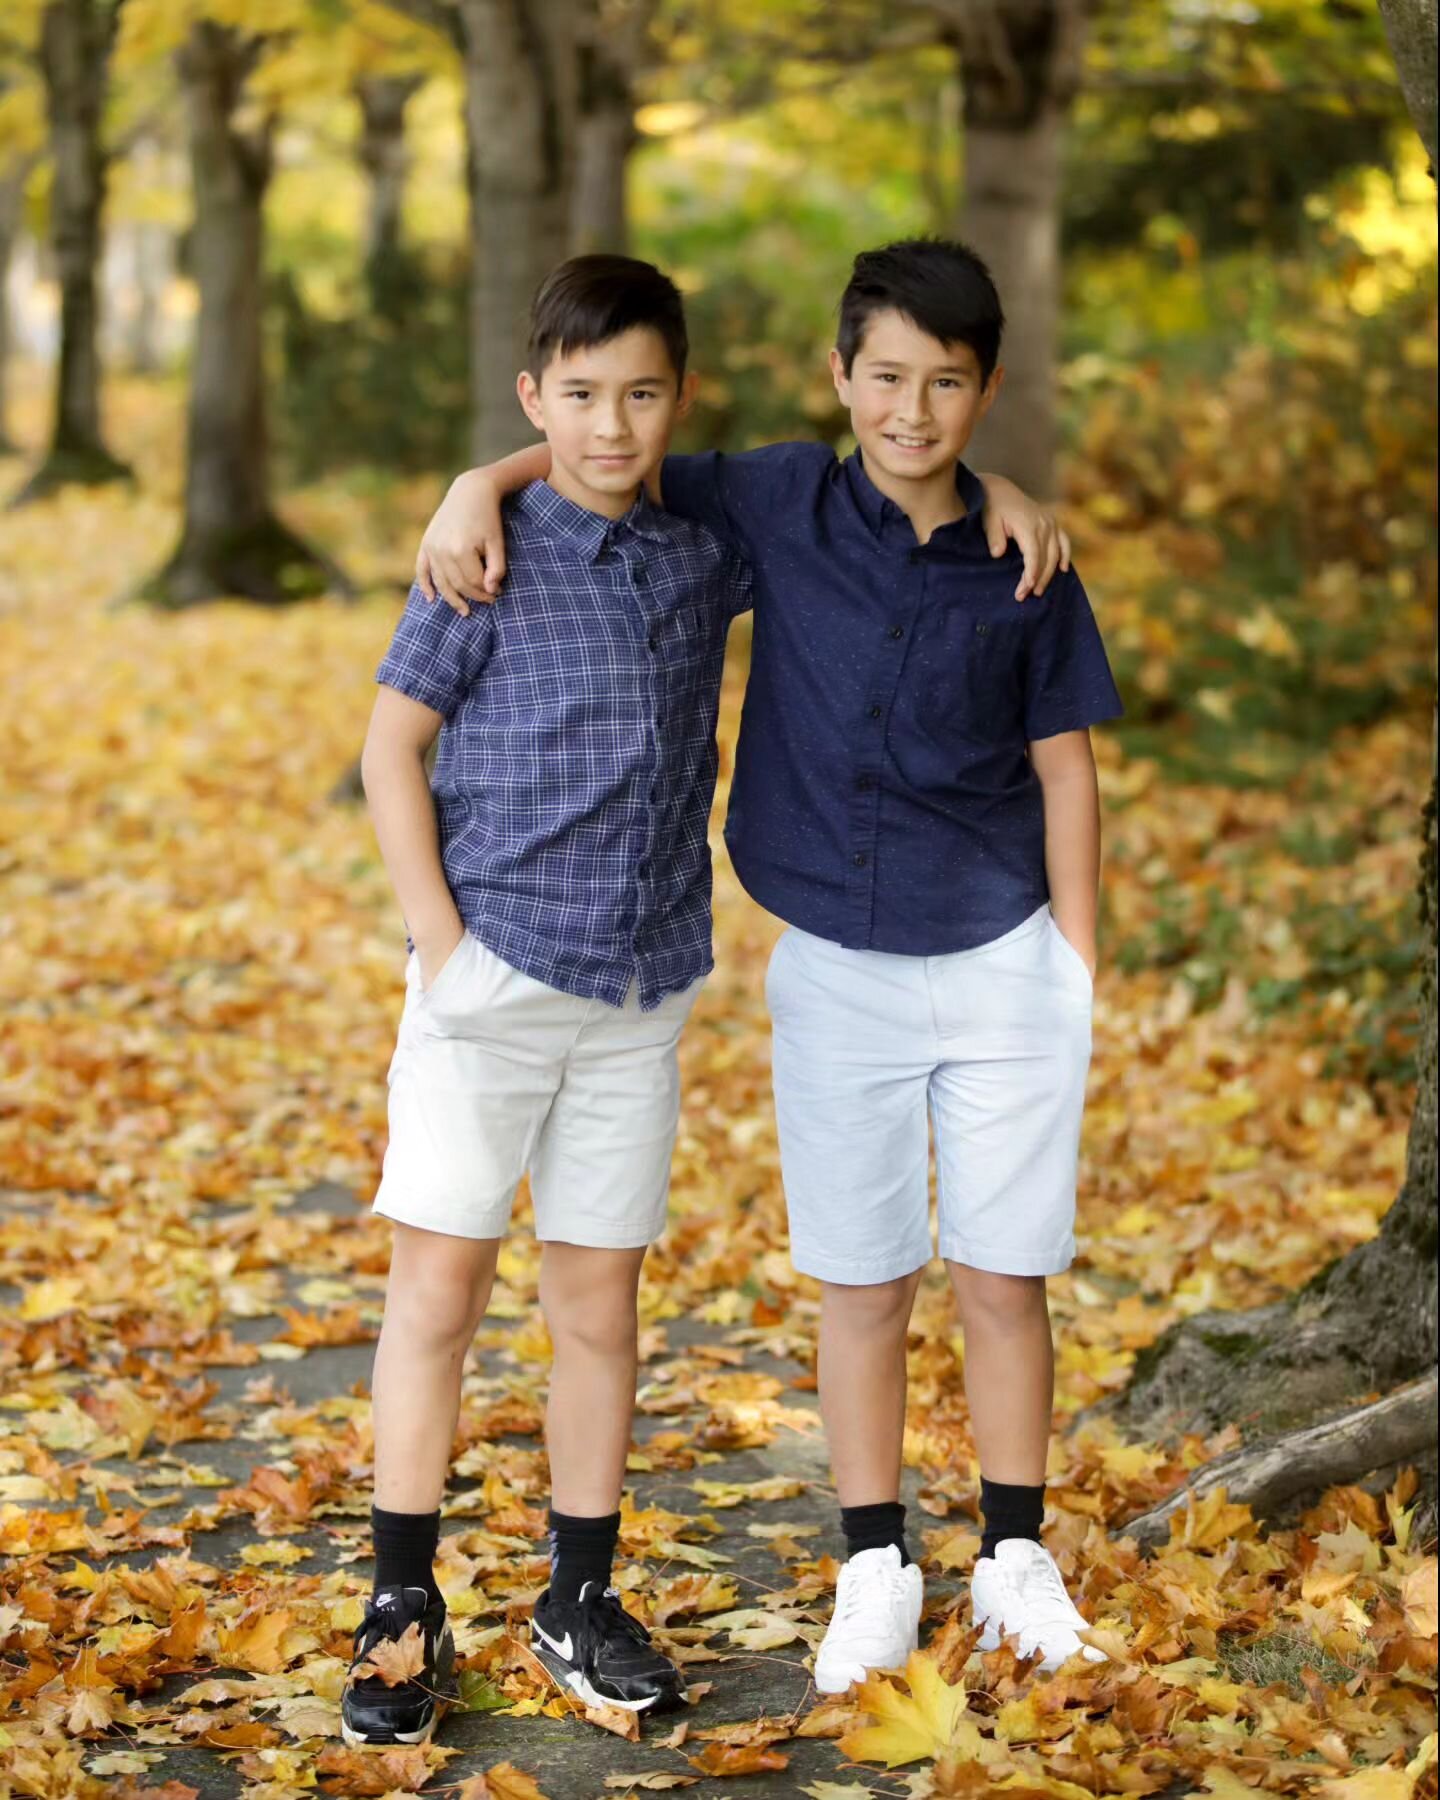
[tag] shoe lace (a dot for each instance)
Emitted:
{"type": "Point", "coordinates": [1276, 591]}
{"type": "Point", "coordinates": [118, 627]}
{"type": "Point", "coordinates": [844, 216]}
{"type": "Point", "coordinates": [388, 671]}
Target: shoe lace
{"type": "Point", "coordinates": [627, 1622]}
{"type": "Point", "coordinates": [379, 1623]}
{"type": "Point", "coordinates": [1043, 1593]}
{"type": "Point", "coordinates": [864, 1585]}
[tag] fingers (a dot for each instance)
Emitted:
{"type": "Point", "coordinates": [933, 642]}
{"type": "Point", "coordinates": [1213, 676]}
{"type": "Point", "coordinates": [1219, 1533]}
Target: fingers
{"type": "Point", "coordinates": [424, 580]}
{"type": "Point", "coordinates": [450, 586]}
{"type": "Point", "coordinates": [996, 534]}
{"type": "Point", "coordinates": [492, 551]}
{"type": "Point", "coordinates": [1064, 548]}
{"type": "Point", "coordinates": [1029, 546]}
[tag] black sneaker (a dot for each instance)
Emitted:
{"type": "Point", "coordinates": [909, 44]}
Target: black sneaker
{"type": "Point", "coordinates": [593, 1647]}
{"type": "Point", "coordinates": [370, 1712]}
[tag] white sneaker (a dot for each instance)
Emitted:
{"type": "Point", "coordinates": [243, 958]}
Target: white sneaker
{"type": "Point", "coordinates": [1019, 1593]}
{"type": "Point", "coordinates": [876, 1621]}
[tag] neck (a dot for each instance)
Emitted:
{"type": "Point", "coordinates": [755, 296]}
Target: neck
{"type": "Point", "coordinates": [571, 487]}
{"type": "Point", "coordinates": [927, 502]}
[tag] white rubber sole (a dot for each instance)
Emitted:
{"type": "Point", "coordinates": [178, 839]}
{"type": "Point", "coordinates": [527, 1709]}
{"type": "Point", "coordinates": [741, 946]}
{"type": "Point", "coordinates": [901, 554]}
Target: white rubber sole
{"type": "Point", "coordinates": [423, 1736]}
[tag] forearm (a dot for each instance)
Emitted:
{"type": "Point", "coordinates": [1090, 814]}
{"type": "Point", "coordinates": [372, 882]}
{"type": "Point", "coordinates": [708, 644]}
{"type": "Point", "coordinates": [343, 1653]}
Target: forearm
{"type": "Point", "coordinates": [402, 810]}
{"type": "Point", "coordinates": [510, 473]}
{"type": "Point", "coordinates": [1072, 853]}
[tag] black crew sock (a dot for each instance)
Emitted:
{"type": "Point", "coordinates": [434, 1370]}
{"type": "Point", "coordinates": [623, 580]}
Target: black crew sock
{"type": "Point", "coordinates": [581, 1550]}
{"type": "Point", "coordinates": [875, 1528]}
{"type": "Point", "coordinates": [405, 1545]}
{"type": "Point", "coordinates": [1009, 1510]}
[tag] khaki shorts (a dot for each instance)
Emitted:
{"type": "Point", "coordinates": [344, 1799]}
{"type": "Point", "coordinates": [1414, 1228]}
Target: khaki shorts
{"type": "Point", "coordinates": [496, 1075]}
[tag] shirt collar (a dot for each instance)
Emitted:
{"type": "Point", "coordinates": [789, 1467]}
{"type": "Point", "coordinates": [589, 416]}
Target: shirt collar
{"type": "Point", "coordinates": [876, 508]}
{"type": "Point", "coordinates": [590, 532]}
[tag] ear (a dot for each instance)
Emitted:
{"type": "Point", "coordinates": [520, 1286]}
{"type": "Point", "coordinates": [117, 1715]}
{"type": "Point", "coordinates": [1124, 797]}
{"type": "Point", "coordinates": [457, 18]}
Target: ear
{"type": "Point", "coordinates": [840, 378]}
{"type": "Point", "coordinates": [992, 389]}
{"type": "Point", "coordinates": [689, 388]}
{"type": "Point", "coordinates": [528, 390]}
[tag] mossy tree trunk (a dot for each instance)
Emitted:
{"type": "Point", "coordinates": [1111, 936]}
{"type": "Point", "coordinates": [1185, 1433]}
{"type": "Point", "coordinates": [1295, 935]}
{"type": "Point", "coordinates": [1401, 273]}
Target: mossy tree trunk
{"type": "Point", "coordinates": [1368, 1320]}
{"type": "Point", "coordinates": [76, 38]}
{"type": "Point", "coordinates": [232, 544]}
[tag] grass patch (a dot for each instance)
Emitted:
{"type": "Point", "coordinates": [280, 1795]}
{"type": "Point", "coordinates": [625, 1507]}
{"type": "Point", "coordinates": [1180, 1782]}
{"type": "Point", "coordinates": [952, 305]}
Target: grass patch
{"type": "Point", "coordinates": [1278, 1659]}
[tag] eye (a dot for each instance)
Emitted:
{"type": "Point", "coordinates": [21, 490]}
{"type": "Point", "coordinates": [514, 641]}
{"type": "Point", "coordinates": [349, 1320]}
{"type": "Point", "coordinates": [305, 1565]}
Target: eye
{"type": "Point", "coordinates": [642, 393]}
{"type": "Point", "coordinates": [579, 394]}
{"type": "Point", "coordinates": [885, 375]}
{"type": "Point", "coordinates": [946, 381]}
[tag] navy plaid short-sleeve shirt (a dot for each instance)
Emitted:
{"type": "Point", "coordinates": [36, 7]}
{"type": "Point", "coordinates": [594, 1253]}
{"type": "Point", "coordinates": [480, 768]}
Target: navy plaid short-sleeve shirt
{"type": "Point", "coordinates": [577, 761]}
{"type": "Point", "coordinates": [883, 794]}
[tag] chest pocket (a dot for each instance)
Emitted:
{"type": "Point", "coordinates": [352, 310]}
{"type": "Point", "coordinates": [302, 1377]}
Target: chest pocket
{"type": "Point", "coordinates": [974, 681]}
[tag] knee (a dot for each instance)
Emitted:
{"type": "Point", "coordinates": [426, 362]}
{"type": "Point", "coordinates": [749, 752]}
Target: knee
{"type": "Point", "coordinates": [1000, 1302]}
{"type": "Point", "coordinates": [435, 1301]}
{"type": "Point", "coordinates": [879, 1307]}
{"type": "Point", "coordinates": [603, 1328]}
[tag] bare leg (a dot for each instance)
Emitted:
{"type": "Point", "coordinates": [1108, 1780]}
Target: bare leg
{"type": "Point", "coordinates": [438, 1291]}
{"type": "Point", "coordinates": [1009, 1370]}
{"type": "Point", "coordinates": [862, 1385]}
{"type": "Point", "coordinates": [588, 1298]}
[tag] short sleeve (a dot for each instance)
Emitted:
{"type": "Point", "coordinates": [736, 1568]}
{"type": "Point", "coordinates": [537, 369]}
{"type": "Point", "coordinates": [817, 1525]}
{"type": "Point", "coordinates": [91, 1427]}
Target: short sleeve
{"type": "Point", "coordinates": [1068, 683]}
{"type": "Point", "coordinates": [437, 655]}
{"type": "Point", "coordinates": [741, 497]}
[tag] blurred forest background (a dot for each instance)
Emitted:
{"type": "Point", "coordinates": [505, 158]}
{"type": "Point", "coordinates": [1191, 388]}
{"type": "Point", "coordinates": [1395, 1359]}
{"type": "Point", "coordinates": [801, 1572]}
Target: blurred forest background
{"type": "Point", "coordinates": [263, 272]}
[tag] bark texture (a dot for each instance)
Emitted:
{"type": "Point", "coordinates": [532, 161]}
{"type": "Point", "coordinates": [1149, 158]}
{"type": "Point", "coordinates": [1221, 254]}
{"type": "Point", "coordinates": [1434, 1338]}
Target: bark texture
{"type": "Point", "coordinates": [75, 42]}
{"type": "Point", "coordinates": [521, 97]}
{"type": "Point", "coordinates": [1020, 68]}
{"type": "Point", "coordinates": [231, 544]}
{"type": "Point", "coordinates": [1388, 1433]}
{"type": "Point", "coordinates": [611, 58]}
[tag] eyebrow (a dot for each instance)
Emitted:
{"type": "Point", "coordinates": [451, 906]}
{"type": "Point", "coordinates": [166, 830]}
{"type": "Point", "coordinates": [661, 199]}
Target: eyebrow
{"type": "Point", "coordinates": [944, 368]}
{"type": "Point", "coordinates": [629, 381]}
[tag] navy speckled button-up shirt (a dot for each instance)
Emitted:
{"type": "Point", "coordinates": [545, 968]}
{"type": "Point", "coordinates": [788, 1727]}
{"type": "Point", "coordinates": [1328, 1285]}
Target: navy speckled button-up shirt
{"type": "Point", "coordinates": [883, 797]}
{"type": "Point", "coordinates": [576, 765]}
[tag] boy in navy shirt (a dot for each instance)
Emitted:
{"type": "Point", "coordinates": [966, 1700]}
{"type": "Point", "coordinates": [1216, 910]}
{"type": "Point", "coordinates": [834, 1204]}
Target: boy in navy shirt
{"type": "Point", "coordinates": [915, 795]}
{"type": "Point", "coordinates": [555, 883]}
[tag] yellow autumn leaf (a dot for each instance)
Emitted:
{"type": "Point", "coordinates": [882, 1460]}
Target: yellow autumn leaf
{"type": "Point", "coordinates": [927, 1722]}
{"type": "Point", "coordinates": [1418, 1595]}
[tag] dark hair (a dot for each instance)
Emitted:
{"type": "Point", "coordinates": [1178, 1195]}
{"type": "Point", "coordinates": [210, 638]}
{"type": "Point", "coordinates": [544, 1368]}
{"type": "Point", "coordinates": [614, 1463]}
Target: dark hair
{"type": "Point", "coordinates": [591, 299]}
{"type": "Point", "coordinates": [938, 284]}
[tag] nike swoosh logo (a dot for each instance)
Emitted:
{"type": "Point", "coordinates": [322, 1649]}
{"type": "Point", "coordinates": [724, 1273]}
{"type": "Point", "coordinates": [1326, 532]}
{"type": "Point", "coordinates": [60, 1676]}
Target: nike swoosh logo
{"type": "Point", "coordinates": [562, 1647]}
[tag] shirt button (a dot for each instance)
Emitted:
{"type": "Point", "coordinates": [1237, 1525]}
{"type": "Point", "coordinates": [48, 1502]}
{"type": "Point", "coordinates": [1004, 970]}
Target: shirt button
{"type": "Point", "coordinates": [639, 574]}
{"type": "Point", "coordinates": [897, 631]}
{"type": "Point", "coordinates": [860, 859]}
{"type": "Point", "coordinates": [875, 711]}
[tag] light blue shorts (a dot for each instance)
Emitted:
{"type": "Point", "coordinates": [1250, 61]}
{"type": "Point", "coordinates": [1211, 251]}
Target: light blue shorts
{"type": "Point", "coordinates": [993, 1044]}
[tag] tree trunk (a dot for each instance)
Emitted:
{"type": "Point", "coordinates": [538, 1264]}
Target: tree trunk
{"type": "Point", "coordinates": [1368, 1320]}
{"type": "Point", "coordinates": [232, 544]}
{"type": "Point", "coordinates": [75, 42]}
{"type": "Point", "coordinates": [1020, 66]}
{"type": "Point", "coordinates": [521, 88]}
{"type": "Point", "coordinates": [12, 200]}
{"type": "Point", "coordinates": [385, 159]}
{"type": "Point", "coordinates": [611, 55]}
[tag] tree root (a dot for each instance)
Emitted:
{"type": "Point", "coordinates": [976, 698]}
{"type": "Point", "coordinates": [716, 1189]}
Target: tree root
{"type": "Point", "coordinates": [266, 562]}
{"type": "Point", "coordinates": [1336, 1450]}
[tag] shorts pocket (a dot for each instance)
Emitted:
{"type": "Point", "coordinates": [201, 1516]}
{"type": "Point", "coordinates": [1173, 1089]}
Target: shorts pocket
{"type": "Point", "coordinates": [1070, 956]}
{"type": "Point", "coordinates": [782, 945]}
{"type": "Point", "coordinates": [445, 975]}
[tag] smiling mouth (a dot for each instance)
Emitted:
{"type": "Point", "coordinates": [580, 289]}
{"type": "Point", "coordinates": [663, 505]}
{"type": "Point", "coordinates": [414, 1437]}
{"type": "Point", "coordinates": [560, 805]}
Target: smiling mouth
{"type": "Point", "coordinates": [909, 443]}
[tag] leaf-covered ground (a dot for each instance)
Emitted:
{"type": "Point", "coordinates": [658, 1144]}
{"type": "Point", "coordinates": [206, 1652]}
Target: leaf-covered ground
{"type": "Point", "coordinates": [200, 967]}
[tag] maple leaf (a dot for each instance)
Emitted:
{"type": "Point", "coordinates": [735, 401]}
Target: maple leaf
{"type": "Point", "coordinates": [617, 1719]}
{"type": "Point", "coordinates": [90, 1710]}
{"type": "Point", "coordinates": [1210, 1522]}
{"type": "Point", "coordinates": [502, 1781]}
{"type": "Point", "coordinates": [396, 1659]}
{"type": "Point", "coordinates": [738, 1759]}
{"type": "Point", "coordinates": [405, 1768]}
{"type": "Point", "coordinates": [656, 1782]}
{"type": "Point", "coordinates": [254, 1643]}
{"type": "Point", "coordinates": [1418, 1596]}
{"type": "Point", "coordinates": [927, 1722]}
